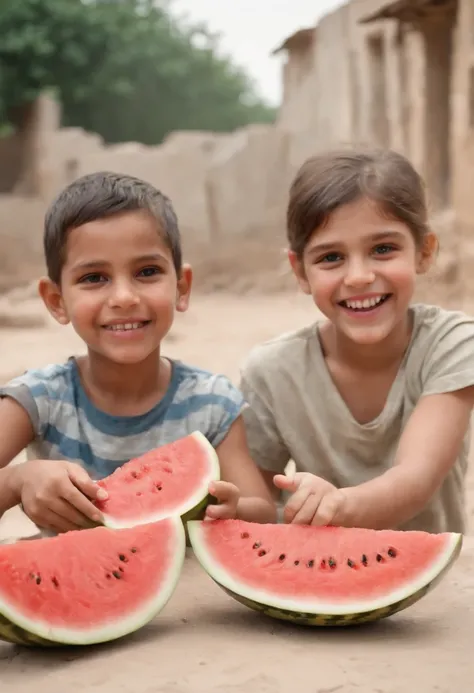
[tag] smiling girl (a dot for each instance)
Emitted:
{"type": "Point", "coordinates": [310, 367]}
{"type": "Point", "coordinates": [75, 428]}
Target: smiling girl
{"type": "Point", "coordinates": [372, 401]}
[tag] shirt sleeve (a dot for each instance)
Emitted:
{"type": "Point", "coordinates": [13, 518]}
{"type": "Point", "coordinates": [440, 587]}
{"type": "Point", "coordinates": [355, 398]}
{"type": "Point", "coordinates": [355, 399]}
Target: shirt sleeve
{"type": "Point", "coordinates": [32, 394]}
{"type": "Point", "coordinates": [265, 443]}
{"type": "Point", "coordinates": [449, 362]}
{"type": "Point", "coordinates": [227, 405]}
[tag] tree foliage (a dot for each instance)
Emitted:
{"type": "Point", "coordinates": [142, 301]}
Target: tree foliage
{"type": "Point", "coordinates": [127, 69]}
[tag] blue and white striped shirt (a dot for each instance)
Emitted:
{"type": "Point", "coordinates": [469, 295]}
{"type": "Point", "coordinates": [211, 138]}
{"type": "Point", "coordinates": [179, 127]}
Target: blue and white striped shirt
{"type": "Point", "coordinates": [68, 426]}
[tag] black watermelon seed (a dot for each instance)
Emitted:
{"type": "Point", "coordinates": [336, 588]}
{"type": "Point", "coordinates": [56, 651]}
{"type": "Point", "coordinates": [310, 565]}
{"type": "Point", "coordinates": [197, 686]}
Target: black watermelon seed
{"type": "Point", "coordinates": [350, 563]}
{"type": "Point", "coordinates": [108, 576]}
{"type": "Point", "coordinates": [245, 535]}
{"type": "Point", "coordinates": [310, 563]}
{"type": "Point", "coordinates": [392, 553]}
{"type": "Point", "coordinates": [364, 559]}
{"type": "Point", "coordinates": [379, 558]}
{"type": "Point", "coordinates": [122, 557]}
{"type": "Point", "coordinates": [297, 562]}
{"type": "Point", "coordinates": [262, 552]}
{"type": "Point", "coordinates": [55, 582]}
{"type": "Point", "coordinates": [134, 475]}
{"type": "Point", "coordinates": [38, 580]}
{"type": "Point", "coordinates": [116, 574]}
{"type": "Point", "coordinates": [257, 545]}
{"type": "Point", "coordinates": [332, 563]}
{"type": "Point", "coordinates": [281, 557]}
{"type": "Point", "coordinates": [133, 550]}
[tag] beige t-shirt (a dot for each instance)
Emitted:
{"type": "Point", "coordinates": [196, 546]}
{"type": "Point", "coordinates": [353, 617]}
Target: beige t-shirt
{"type": "Point", "coordinates": [296, 412]}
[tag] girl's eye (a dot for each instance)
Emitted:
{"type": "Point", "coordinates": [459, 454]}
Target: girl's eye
{"type": "Point", "coordinates": [150, 271]}
{"type": "Point", "coordinates": [92, 279]}
{"type": "Point", "coordinates": [384, 249]}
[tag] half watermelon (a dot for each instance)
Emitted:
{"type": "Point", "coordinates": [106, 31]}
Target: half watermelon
{"type": "Point", "coordinates": [88, 586]}
{"type": "Point", "coordinates": [322, 576]}
{"type": "Point", "coordinates": [170, 480]}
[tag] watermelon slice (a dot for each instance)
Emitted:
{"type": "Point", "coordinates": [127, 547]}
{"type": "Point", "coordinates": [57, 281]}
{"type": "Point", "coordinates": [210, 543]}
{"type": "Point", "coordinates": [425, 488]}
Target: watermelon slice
{"type": "Point", "coordinates": [88, 586]}
{"type": "Point", "coordinates": [322, 576]}
{"type": "Point", "coordinates": [170, 480]}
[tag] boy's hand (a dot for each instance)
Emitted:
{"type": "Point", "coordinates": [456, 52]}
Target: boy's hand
{"type": "Point", "coordinates": [57, 495]}
{"type": "Point", "coordinates": [228, 496]}
{"type": "Point", "coordinates": [314, 501]}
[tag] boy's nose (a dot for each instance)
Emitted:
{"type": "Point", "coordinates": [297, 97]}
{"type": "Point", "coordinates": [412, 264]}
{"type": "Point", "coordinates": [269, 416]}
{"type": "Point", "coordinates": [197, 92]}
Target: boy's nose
{"type": "Point", "coordinates": [123, 295]}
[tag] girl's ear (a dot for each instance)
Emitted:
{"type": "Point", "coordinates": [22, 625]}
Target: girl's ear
{"type": "Point", "coordinates": [298, 270]}
{"type": "Point", "coordinates": [427, 252]}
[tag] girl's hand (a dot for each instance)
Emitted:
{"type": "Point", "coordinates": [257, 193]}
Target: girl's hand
{"type": "Point", "coordinates": [314, 501]}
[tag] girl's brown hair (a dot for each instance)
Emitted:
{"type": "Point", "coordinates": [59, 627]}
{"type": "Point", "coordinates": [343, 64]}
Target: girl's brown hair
{"type": "Point", "coordinates": [327, 181]}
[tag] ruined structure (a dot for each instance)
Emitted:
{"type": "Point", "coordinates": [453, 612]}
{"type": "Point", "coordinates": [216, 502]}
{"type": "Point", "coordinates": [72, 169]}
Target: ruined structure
{"type": "Point", "coordinates": [398, 74]}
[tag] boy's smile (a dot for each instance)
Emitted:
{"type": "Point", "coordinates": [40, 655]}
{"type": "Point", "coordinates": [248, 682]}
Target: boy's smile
{"type": "Point", "coordinates": [119, 287]}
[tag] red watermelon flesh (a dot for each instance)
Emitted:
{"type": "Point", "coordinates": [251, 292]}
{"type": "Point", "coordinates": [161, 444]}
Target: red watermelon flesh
{"type": "Point", "coordinates": [170, 480]}
{"type": "Point", "coordinates": [309, 568]}
{"type": "Point", "coordinates": [92, 585]}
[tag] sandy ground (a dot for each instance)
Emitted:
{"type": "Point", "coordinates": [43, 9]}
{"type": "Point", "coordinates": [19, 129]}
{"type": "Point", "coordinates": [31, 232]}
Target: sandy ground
{"type": "Point", "coordinates": [204, 641]}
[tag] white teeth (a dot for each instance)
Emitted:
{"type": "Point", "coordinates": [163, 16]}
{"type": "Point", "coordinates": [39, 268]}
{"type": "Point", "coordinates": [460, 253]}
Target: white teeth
{"type": "Point", "coordinates": [366, 303]}
{"type": "Point", "coordinates": [124, 327]}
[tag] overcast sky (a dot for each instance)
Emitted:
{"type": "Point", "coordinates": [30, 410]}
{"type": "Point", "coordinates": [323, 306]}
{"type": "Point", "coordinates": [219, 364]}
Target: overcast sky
{"type": "Point", "coordinates": [251, 29]}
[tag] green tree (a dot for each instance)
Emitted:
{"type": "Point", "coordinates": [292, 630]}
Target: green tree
{"type": "Point", "coordinates": [126, 69]}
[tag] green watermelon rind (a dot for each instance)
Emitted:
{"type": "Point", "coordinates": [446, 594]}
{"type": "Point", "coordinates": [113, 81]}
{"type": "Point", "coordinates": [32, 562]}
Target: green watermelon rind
{"type": "Point", "coordinates": [19, 629]}
{"type": "Point", "coordinates": [188, 510]}
{"type": "Point", "coordinates": [318, 612]}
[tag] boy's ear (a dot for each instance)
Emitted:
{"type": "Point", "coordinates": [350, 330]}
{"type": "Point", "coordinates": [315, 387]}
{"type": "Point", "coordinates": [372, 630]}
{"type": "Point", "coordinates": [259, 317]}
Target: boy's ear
{"type": "Point", "coordinates": [427, 253]}
{"type": "Point", "coordinates": [298, 270]}
{"type": "Point", "coordinates": [53, 300]}
{"type": "Point", "coordinates": [185, 281]}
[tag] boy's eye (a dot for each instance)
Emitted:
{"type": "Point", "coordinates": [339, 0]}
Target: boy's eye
{"type": "Point", "coordinates": [91, 278]}
{"type": "Point", "coordinates": [330, 257]}
{"type": "Point", "coordinates": [150, 271]}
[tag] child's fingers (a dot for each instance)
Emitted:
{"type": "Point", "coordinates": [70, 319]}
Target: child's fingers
{"type": "Point", "coordinates": [224, 491]}
{"type": "Point", "coordinates": [73, 494]}
{"type": "Point", "coordinates": [220, 512]}
{"type": "Point", "coordinates": [328, 509]}
{"type": "Point", "coordinates": [307, 511]}
{"type": "Point", "coordinates": [48, 519]}
{"type": "Point", "coordinates": [84, 483]}
{"type": "Point", "coordinates": [286, 483]}
{"type": "Point", "coordinates": [295, 503]}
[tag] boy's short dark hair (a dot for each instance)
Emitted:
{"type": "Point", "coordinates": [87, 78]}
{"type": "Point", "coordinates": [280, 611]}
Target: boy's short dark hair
{"type": "Point", "coordinates": [331, 179]}
{"type": "Point", "coordinates": [98, 196]}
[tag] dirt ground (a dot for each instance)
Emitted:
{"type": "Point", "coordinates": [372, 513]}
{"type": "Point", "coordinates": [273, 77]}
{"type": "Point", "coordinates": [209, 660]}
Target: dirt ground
{"type": "Point", "coordinates": [204, 642]}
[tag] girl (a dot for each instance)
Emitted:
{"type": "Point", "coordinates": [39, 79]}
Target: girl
{"type": "Point", "coordinates": [372, 402]}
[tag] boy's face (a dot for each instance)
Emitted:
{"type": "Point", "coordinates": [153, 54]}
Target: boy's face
{"type": "Point", "coordinates": [119, 287]}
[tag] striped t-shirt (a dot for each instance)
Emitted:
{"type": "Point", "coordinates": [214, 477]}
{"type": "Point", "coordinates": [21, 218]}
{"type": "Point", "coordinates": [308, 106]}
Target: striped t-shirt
{"type": "Point", "coordinates": [68, 426]}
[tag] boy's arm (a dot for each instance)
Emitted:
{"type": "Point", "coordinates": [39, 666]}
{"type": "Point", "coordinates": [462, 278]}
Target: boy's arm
{"type": "Point", "coordinates": [16, 432]}
{"type": "Point", "coordinates": [237, 467]}
{"type": "Point", "coordinates": [428, 448]}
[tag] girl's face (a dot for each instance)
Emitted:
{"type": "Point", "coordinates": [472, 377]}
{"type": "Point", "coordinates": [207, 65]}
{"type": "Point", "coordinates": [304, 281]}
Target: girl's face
{"type": "Point", "coordinates": [360, 269]}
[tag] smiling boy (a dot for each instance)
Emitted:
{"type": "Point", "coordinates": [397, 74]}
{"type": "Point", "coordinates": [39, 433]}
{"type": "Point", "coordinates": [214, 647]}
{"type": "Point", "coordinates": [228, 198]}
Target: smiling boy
{"type": "Point", "coordinates": [115, 273]}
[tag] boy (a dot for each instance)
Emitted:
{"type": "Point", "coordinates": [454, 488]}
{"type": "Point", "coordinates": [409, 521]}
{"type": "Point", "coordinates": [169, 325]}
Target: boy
{"type": "Point", "coordinates": [115, 272]}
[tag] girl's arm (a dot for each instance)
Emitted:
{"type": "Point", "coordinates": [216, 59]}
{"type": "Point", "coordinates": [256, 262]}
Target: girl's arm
{"type": "Point", "coordinates": [428, 448]}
